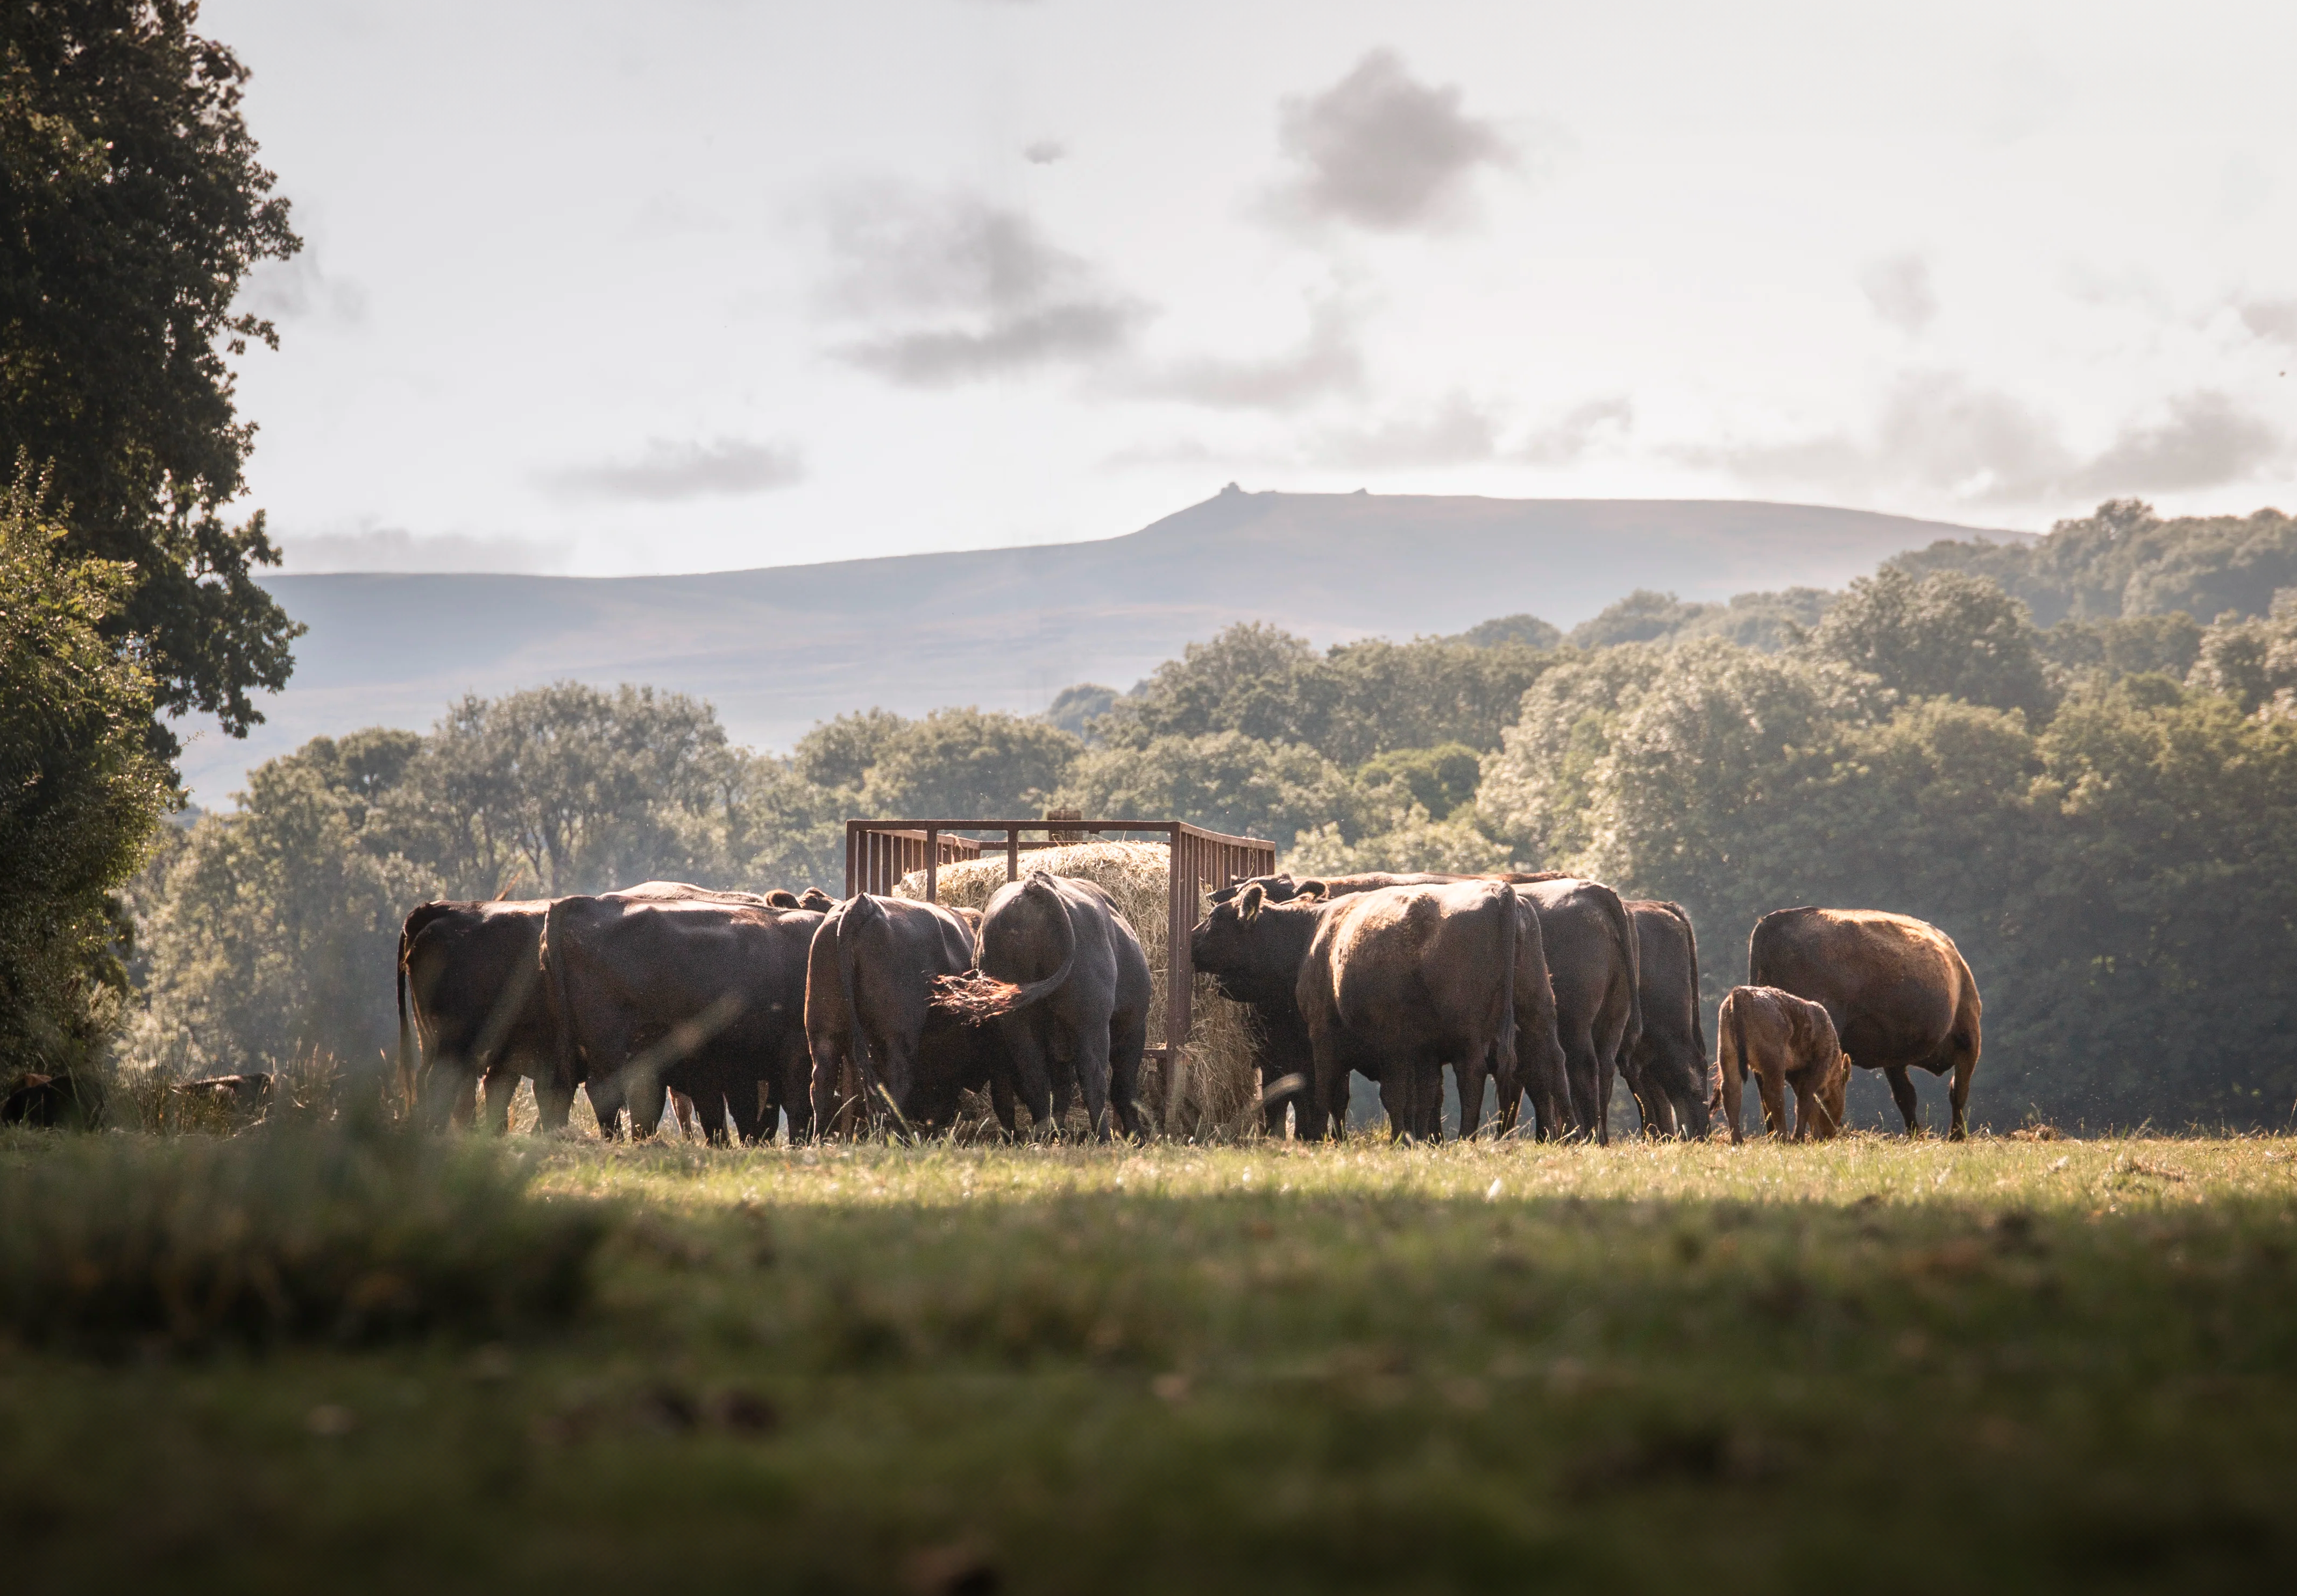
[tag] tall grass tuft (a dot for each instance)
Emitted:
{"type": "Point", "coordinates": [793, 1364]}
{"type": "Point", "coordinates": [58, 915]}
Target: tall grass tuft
{"type": "Point", "coordinates": [306, 1231]}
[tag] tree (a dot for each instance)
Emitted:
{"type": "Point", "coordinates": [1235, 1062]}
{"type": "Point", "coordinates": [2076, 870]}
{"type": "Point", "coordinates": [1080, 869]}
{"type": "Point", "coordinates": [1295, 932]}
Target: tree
{"type": "Point", "coordinates": [80, 795]}
{"type": "Point", "coordinates": [1643, 616]}
{"type": "Point", "coordinates": [565, 789]}
{"type": "Point", "coordinates": [2253, 663]}
{"type": "Point", "coordinates": [968, 763]}
{"type": "Point", "coordinates": [2122, 560]}
{"type": "Point", "coordinates": [1945, 635]}
{"type": "Point", "coordinates": [132, 207]}
{"type": "Point", "coordinates": [1253, 678]}
{"type": "Point", "coordinates": [1224, 782]}
{"type": "Point", "coordinates": [274, 933]}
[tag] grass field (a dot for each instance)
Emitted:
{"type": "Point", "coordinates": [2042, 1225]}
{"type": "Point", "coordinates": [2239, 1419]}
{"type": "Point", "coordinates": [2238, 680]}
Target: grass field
{"type": "Point", "coordinates": [2012, 1365]}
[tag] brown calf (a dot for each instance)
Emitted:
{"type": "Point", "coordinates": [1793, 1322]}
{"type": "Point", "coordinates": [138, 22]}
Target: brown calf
{"type": "Point", "coordinates": [1782, 1040]}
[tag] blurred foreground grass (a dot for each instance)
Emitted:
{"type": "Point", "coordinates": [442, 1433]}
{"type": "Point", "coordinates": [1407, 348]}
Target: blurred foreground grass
{"type": "Point", "coordinates": [1873, 1365]}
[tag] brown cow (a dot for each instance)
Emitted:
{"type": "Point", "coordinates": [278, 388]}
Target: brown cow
{"type": "Point", "coordinates": [1668, 1065]}
{"type": "Point", "coordinates": [471, 975]}
{"type": "Point", "coordinates": [1590, 955]}
{"type": "Point", "coordinates": [702, 997]}
{"type": "Point", "coordinates": [1896, 988]}
{"type": "Point", "coordinates": [869, 1024]}
{"type": "Point", "coordinates": [1254, 950]}
{"type": "Point", "coordinates": [1400, 982]}
{"type": "Point", "coordinates": [1783, 1042]}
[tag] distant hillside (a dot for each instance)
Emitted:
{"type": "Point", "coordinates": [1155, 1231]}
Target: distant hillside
{"type": "Point", "coordinates": [777, 649]}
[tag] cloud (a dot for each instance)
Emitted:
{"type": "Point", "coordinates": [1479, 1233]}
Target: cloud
{"type": "Point", "coordinates": [1327, 360]}
{"type": "Point", "coordinates": [668, 472]}
{"type": "Point", "coordinates": [1571, 436]}
{"type": "Point", "coordinates": [1044, 151]}
{"type": "Point", "coordinates": [1899, 291]}
{"type": "Point", "coordinates": [2272, 320]}
{"type": "Point", "coordinates": [1381, 151]}
{"type": "Point", "coordinates": [395, 548]}
{"type": "Point", "coordinates": [297, 289]}
{"type": "Point", "coordinates": [2206, 438]}
{"type": "Point", "coordinates": [1457, 430]}
{"type": "Point", "coordinates": [964, 290]}
{"type": "Point", "coordinates": [1935, 432]}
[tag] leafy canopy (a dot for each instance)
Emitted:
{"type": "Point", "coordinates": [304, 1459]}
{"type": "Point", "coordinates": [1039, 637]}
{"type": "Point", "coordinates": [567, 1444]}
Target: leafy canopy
{"type": "Point", "coordinates": [132, 208]}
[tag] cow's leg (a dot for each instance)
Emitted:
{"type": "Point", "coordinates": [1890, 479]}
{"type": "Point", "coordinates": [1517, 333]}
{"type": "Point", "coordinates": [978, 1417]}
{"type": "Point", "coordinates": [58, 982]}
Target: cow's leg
{"type": "Point", "coordinates": [1089, 1046]}
{"type": "Point", "coordinates": [645, 1096]}
{"type": "Point", "coordinates": [1395, 1095]}
{"type": "Point", "coordinates": [501, 1082]}
{"type": "Point", "coordinates": [1733, 1083]}
{"type": "Point", "coordinates": [465, 1100]}
{"type": "Point", "coordinates": [1775, 1103]}
{"type": "Point", "coordinates": [1472, 1078]}
{"type": "Point", "coordinates": [709, 1107]}
{"type": "Point", "coordinates": [1581, 1066]}
{"type": "Point", "coordinates": [1033, 1084]}
{"type": "Point", "coordinates": [1427, 1093]}
{"type": "Point", "coordinates": [553, 1101]}
{"type": "Point", "coordinates": [1902, 1092]}
{"type": "Point", "coordinates": [1964, 1068]}
{"type": "Point", "coordinates": [1000, 1098]}
{"type": "Point", "coordinates": [1807, 1109]}
{"type": "Point", "coordinates": [1128, 1041]}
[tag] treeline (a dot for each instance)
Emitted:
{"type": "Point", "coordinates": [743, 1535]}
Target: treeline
{"type": "Point", "coordinates": [2103, 812]}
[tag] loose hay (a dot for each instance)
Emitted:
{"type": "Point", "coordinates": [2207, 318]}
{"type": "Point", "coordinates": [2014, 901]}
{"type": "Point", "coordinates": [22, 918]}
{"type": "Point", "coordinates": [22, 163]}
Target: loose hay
{"type": "Point", "coordinates": [1214, 1090]}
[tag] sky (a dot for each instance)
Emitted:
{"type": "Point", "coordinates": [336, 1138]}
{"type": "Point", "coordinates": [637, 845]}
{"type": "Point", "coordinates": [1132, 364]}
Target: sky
{"type": "Point", "coordinates": [699, 286]}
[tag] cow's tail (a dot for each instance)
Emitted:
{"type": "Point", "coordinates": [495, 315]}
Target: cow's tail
{"type": "Point", "coordinates": [1732, 1021]}
{"type": "Point", "coordinates": [550, 964]}
{"type": "Point", "coordinates": [1623, 931]}
{"type": "Point", "coordinates": [406, 1052]}
{"type": "Point", "coordinates": [1698, 1004]}
{"type": "Point", "coordinates": [1510, 935]}
{"type": "Point", "coordinates": [977, 995]}
{"type": "Point", "coordinates": [858, 909]}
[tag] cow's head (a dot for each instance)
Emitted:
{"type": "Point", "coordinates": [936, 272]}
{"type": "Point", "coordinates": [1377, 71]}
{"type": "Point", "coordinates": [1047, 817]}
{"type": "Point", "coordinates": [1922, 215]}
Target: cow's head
{"type": "Point", "coordinates": [1833, 1087]}
{"type": "Point", "coordinates": [816, 900]}
{"type": "Point", "coordinates": [1253, 943]}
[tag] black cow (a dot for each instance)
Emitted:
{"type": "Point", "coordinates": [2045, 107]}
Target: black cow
{"type": "Point", "coordinates": [1592, 957]}
{"type": "Point", "coordinates": [706, 998]}
{"type": "Point", "coordinates": [1062, 979]}
{"type": "Point", "coordinates": [1668, 1066]}
{"type": "Point", "coordinates": [869, 1024]}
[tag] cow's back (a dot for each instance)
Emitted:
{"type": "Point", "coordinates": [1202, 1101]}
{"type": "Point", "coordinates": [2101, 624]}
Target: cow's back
{"type": "Point", "coordinates": [1897, 990]}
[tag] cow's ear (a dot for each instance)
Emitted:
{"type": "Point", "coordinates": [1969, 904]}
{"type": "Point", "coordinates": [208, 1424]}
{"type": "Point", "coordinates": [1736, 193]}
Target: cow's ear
{"type": "Point", "coordinates": [1248, 902]}
{"type": "Point", "coordinates": [1310, 890]}
{"type": "Point", "coordinates": [781, 897]}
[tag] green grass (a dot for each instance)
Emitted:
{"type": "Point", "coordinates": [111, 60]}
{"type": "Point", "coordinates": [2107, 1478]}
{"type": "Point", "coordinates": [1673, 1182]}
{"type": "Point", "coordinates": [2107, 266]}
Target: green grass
{"type": "Point", "coordinates": [1873, 1365]}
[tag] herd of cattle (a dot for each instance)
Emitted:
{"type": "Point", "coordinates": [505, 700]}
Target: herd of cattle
{"type": "Point", "coordinates": [877, 1011]}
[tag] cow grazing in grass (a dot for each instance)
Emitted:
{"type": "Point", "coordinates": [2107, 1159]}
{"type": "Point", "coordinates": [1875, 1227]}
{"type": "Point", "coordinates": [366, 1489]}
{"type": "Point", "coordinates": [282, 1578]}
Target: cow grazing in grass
{"type": "Point", "coordinates": [1896, 988]}
{"type": "Point", "coordinates": [698, 996]}
{"type": "Point", "coordinates": [1786, 1044]}
{"type": "Point", "coordinates": [1252, 946]}
{"type": "Point", "coordinates": [1668, 1067]}
{"type": "Point", "coordinates": [1062, 983]}
{"type": "Point", "coordinates": [873, 1036]}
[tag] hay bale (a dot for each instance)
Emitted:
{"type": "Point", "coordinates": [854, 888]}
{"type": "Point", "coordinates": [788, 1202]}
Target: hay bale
{"type": "Point", "coordinates": [1215, 1089]}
